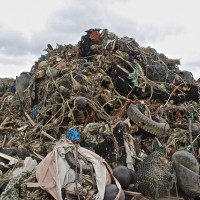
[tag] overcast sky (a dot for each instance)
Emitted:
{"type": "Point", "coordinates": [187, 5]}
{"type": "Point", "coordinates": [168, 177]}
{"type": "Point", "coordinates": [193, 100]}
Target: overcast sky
{"type": "Point", "coordinates": [27, 26]}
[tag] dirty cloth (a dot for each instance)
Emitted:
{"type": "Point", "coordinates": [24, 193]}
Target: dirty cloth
{"type": "Point", "coordinates": [53, 172]}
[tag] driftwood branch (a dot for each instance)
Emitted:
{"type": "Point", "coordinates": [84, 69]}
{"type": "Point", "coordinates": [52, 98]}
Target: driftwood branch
{"type": "Point", "coordinates": [173, 61]}
{"type": "Point", "coordinates": [11, 159]}
{"type": "Point", "coordinates": [30, 119]}
{"type": "Point", "coordinates": [48, 136]}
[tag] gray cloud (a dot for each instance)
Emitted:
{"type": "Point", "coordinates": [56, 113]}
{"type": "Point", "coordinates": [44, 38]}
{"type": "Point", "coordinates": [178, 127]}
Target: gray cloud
{"type": "Point", "coordinates": [154, 34]}
{"type": "Point", "coordinates": [194, 63]}
{"type": "Point", "coordinates": [15, 43]}
{"type": "Point", "coordinates": [12, 59]}
{"type": "Point", "coordinates": [12, 42]}
{"type": "Point", "coordinates": [68, 24]}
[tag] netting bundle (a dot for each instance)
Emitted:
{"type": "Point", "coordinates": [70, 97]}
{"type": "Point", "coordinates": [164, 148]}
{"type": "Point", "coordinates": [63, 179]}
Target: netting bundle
{"type": "Point", "coordinates": [154, 177]}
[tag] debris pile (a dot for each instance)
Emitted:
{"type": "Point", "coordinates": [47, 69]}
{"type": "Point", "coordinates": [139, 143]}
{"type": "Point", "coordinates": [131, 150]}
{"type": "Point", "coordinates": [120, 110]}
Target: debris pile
{"type": "Point", "coordinates": [102, 119]}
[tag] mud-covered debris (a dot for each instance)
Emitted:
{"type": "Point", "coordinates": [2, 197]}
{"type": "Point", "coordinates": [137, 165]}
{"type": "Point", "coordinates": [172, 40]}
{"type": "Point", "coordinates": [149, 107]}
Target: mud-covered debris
{"type": "Point", "coordinates": [107, 95]}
